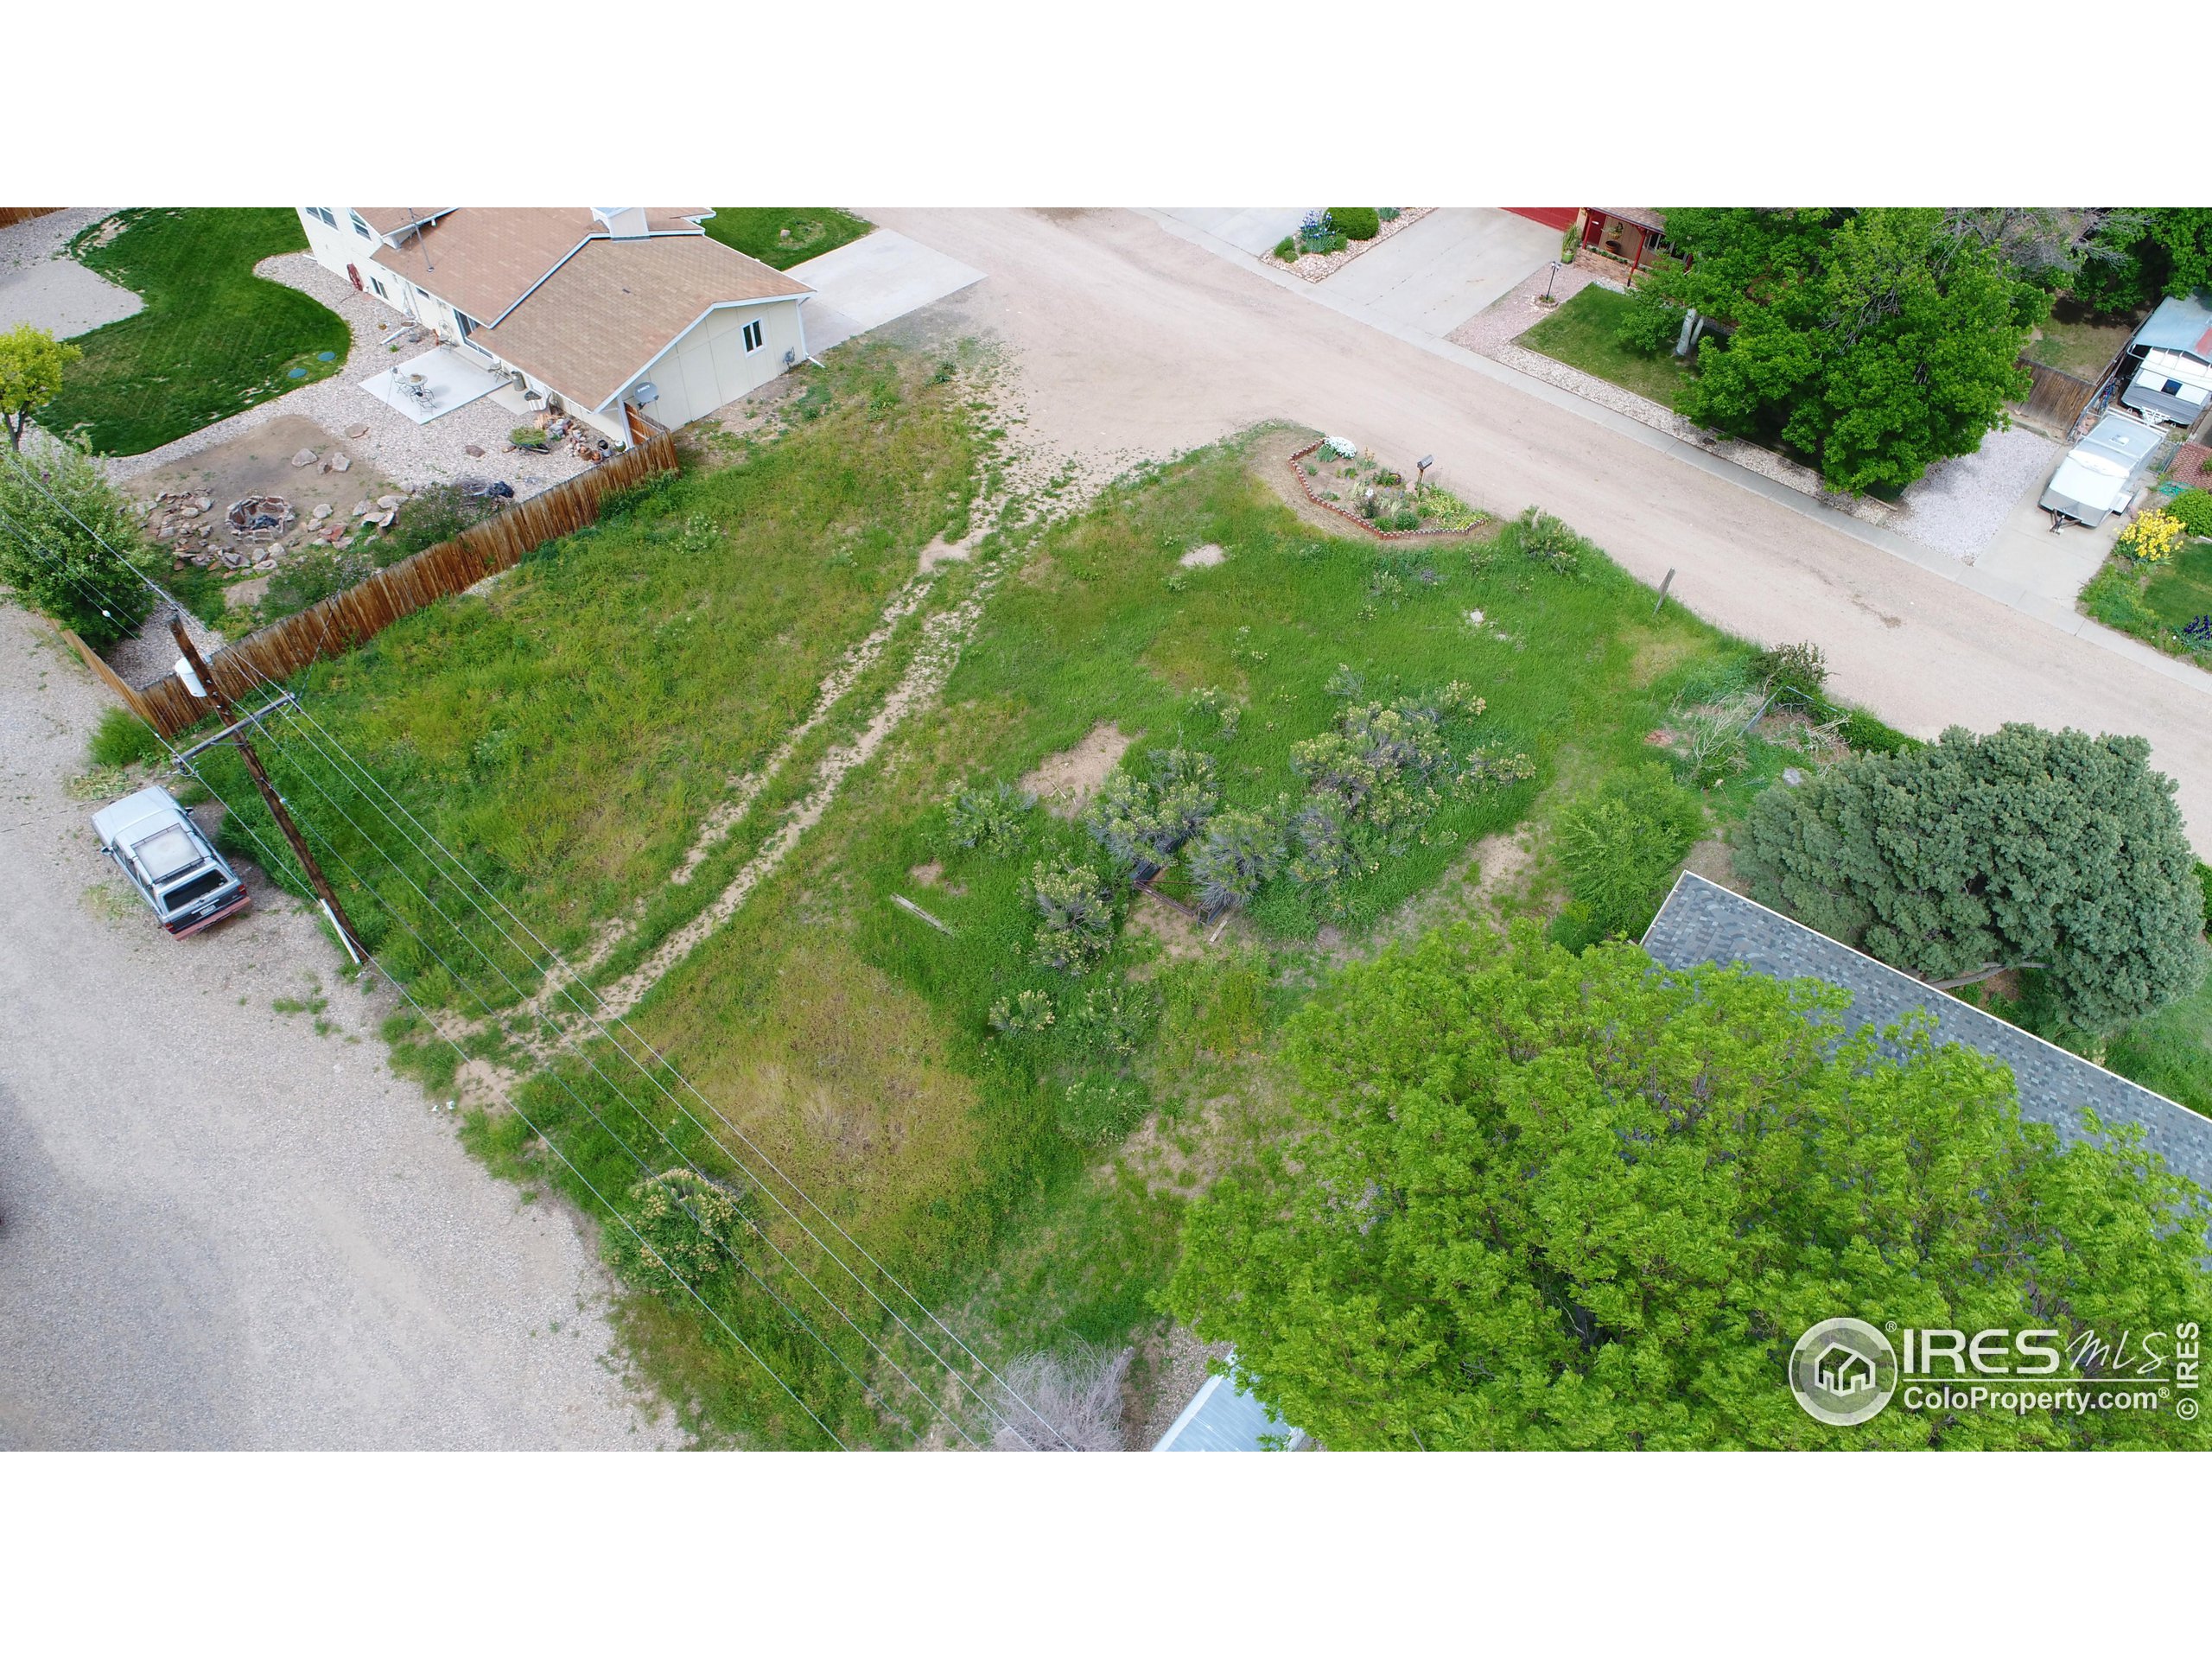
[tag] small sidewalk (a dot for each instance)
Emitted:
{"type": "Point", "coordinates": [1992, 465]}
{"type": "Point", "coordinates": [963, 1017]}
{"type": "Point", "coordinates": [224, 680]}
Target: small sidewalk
{"type": "Point", "coordinates": [2017, 595]}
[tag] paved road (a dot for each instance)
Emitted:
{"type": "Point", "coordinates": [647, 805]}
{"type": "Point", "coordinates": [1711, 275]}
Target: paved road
{"type": "Point", "coordinates": [1133, 342]}
{"type": "Point", "coordinates": [219, 1229]}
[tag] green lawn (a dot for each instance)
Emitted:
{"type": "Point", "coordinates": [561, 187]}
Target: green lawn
{"type": "Point", "coordinates": [1584, 334]}
{"type": "Point", "coordinates": [2155, 604]}
{"type": "Point", "coordinates": [213, 338]}
{"type": "Point", "coordinates": [570, 730]}
{"type": "Point", "coordinates": [784, 236]}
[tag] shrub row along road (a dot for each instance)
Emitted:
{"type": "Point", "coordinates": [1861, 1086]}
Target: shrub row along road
{"type": "Point", "coordinates": [219, 1229]}
{"type": "Point", "coordinates": [1133, 342]}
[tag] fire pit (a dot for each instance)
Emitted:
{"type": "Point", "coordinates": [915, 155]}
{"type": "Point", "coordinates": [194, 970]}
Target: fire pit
{"type": "Point", "coordinates": [261, 518]}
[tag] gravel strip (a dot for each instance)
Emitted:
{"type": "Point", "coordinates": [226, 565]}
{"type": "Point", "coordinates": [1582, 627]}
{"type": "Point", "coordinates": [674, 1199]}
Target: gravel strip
{"type": "Point", "coordinates": [1319, 267]}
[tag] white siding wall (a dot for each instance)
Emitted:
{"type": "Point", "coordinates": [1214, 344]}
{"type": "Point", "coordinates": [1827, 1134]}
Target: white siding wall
{"type": "Point", "coordinates": [334, 249]}
{"type": "Point", "coordinates": [709, 366]}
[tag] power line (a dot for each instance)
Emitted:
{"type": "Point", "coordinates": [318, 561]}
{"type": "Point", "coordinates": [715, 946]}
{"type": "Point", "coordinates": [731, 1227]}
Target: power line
{"type": "Point", "coordinates": [564, 989]}
{"type": "Point", "coordinates": [484, 1003]}
{"type": "Point", "coordinates": [551, 1145]}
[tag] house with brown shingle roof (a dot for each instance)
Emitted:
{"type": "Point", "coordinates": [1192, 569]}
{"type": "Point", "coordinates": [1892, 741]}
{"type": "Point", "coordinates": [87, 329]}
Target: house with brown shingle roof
{"type": "Point", "coordinates": [603, 313]}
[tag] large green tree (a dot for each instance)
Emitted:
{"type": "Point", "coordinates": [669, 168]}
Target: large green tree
{"type": "Point", "coordinates": [2141, 253]}
{"type": "Point", "coordinates": [1553, 1201]}
{"type": "Point", "coordinates": [1878, 340]}
{"type": "Point", "coordinates": [2025, 846]}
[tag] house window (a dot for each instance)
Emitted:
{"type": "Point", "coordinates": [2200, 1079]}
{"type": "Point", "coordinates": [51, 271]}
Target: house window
{"type": "Point", "coordinates": [2171, 388]}
{"type": "Point", "coordinates": [361, 228]}
{"type": "Point", "coordinates": [755, 336]}
{"type": "Point", "coordinates": [378, 286]}
{"type": "Point", "coordinates": [326, 216]}
{"type": "Point", "coordinates": [466, 323]}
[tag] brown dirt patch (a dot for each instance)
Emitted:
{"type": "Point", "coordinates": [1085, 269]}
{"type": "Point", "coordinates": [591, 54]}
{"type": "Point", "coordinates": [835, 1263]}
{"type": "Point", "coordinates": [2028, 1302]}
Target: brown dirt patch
{"type": "Point", "coordinates": [940, 551]}
{"type": "Point", "coordinates": [1712, 859]}
{"type": "Point", "coordinates": [1268, 453]}
{"type": "Point", "coordinates": [1659, 653]}
{"type": "Point", "coordinates": [259, 461]}
{"type": "Point", "coordinates": [1065, 781]}
{"type": "Point", "coordinates": [1204, 558]}
{"type": "Point", "coordinates": [1179, 937]}
{"type": "Point", "coordinates": [926, 876]}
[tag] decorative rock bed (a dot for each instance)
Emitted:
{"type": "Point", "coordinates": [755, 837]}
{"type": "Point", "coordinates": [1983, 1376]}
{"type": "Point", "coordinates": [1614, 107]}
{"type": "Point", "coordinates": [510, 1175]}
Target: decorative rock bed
{"type": "Point", "coordinates": [1405, 494]}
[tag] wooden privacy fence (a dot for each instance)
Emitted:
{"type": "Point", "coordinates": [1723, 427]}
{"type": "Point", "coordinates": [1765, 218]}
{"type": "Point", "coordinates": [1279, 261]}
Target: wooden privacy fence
{"type": "Point", "coordinates": [2056, 399]}
{"type": "Point", "coordinates": [336, 625]}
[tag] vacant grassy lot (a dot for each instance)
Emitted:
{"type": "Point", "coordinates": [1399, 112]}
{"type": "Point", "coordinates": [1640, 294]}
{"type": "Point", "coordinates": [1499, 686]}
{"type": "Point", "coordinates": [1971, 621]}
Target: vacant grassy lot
{"type": "Point", "coordinates": [783, 236]}
{"type": "Point", "coordinates": [854, 1044]}
{"type": "Point", "coordinates": [213, 339]}
{"type": "Point", "coordinates": [1584, 334]}
{"type": "Point", "coordinates": [569, 731]}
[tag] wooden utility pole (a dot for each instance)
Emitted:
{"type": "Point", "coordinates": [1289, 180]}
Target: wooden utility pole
{"type": "Point", "coordinates": [336, 911]}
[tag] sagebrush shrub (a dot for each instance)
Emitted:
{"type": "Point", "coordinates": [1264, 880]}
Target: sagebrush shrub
{"type": "Point", "coordinates": [1077, 925]}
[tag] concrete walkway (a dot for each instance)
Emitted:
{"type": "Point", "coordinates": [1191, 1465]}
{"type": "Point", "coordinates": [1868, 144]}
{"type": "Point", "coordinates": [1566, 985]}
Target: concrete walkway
{"type": "Point", "coordinates": [1251, 230]}
{"type": "Point", "coordinates": [873, 280]}
{"type": "Point", "coordinates": [1436, 275]}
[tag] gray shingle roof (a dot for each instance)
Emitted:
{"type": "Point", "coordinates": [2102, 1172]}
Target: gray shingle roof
{"type": "Point", "coordinates": [1704, 922]}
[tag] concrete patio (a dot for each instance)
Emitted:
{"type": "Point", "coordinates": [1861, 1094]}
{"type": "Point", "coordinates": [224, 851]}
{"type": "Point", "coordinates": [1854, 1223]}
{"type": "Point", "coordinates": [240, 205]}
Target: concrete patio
{"type": "Point", "coordinates": [1254, 229]}
{"type": "Point", "coordinates": [449, 380]}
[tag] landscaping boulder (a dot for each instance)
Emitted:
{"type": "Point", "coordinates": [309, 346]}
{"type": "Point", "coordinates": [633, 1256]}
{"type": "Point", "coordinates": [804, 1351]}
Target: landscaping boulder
{"type": "Point", "coordinates": [339, 463]}
{"type": "Point", "coordinates": [359, 430]}
{"type": "Point", "coordinates": [472, 449]}
{"type": "Point", "coordinates": [305, 458]}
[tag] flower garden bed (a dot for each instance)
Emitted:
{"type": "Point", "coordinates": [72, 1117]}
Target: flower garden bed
{"type": "Point", "coordinates": [1339, 479]}
{"type": "Point", "coordinates": [1339, 251]}
{"type": "Point", "coordinates": [2157, 582]}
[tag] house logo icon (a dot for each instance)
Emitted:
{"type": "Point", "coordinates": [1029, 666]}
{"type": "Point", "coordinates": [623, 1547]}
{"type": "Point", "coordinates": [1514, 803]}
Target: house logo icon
{"type": "Point", "coordinates": [1843, 1371]}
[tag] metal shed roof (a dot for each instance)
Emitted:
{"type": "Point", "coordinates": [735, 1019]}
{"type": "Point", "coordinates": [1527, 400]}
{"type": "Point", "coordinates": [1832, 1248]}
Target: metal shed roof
{"type": "Point", "coordinates": [2180, 326]}
{"type": "Point", "coordinates": [1701, 922]}
{"type": "Point", "coordinates": [1221, 1417]}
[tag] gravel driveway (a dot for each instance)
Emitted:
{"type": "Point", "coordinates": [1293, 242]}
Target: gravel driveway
{"type": "Point", "coordinates": [41, 285]}
{"type": "Point", "coordinates": [218, 1228]}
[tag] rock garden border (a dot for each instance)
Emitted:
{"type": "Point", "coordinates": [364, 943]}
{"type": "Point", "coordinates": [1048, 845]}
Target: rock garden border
{"type": "Point", "coordinates": [1298, 472]}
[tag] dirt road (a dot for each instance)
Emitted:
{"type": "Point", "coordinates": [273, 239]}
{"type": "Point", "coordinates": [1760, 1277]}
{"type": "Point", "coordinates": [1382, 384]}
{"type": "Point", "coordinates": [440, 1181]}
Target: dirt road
{"type": "Point", "coordinates": [218, 1228]}
{"type": "Point", "coordinates": [1134, 342]}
